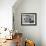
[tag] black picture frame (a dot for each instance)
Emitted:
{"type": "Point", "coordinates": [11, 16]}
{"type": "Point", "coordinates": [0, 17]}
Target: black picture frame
{"type": "Point", "coordinates": [29, 19]}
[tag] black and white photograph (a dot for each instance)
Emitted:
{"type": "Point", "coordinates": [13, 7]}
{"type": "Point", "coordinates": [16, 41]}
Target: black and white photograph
{"type": "Point", "coordinates": [28, 19]}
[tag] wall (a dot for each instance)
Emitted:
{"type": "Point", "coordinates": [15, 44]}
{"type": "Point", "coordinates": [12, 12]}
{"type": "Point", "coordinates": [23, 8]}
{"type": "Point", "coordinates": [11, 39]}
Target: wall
{"type": "Point", "coordinates": [6, 13]}
{"type": "Point", "coordinates": [43, 22]}
{"type": "Point", "coordinates": [29, 32]}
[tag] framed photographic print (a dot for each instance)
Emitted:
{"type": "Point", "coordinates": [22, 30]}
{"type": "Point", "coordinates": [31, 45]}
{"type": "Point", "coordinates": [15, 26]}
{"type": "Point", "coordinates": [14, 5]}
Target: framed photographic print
{"type": "Point", "coordinates": [28, 18]}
